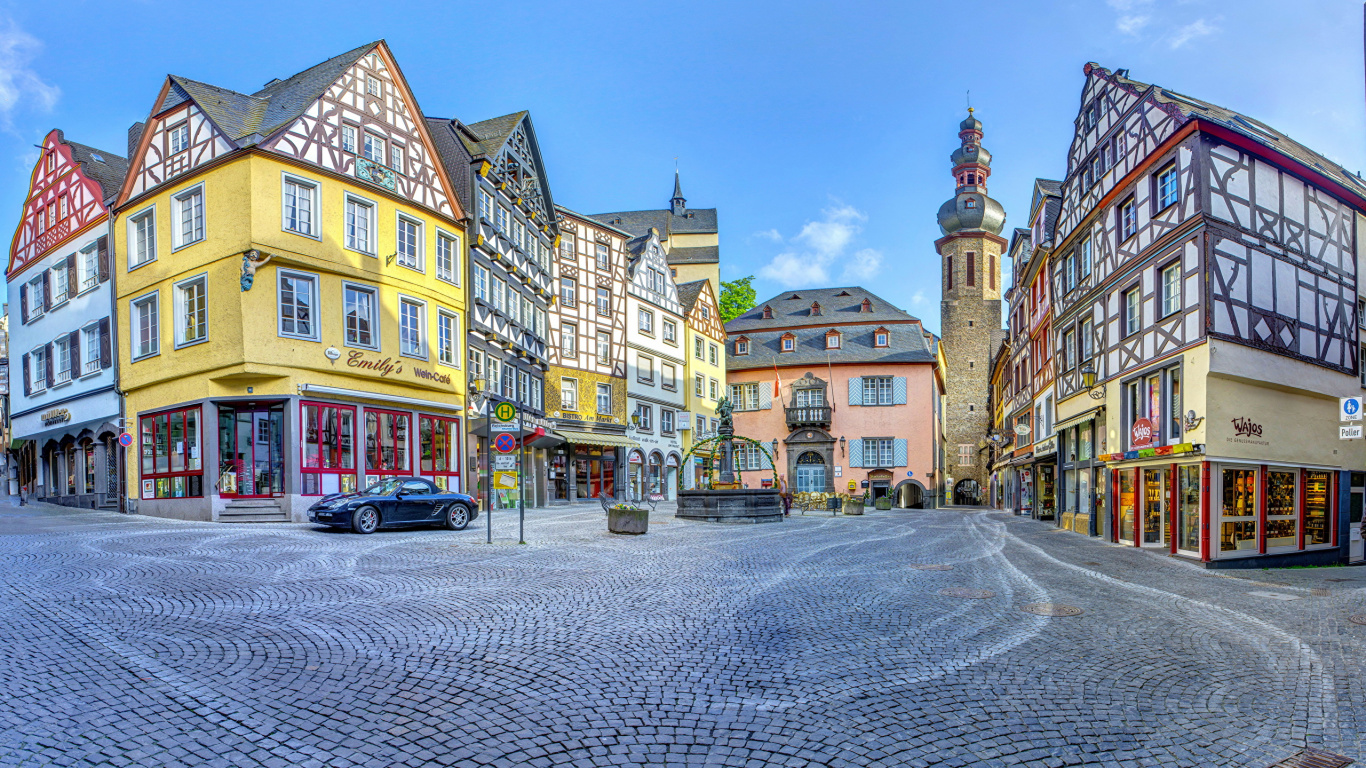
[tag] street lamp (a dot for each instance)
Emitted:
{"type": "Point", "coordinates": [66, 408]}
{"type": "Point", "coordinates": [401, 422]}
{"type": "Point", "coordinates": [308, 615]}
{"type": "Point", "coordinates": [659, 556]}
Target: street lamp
{"type": "Point", "coordinates": [1088, 380]}
{"type": "Point", "coordinates": [841, 445]}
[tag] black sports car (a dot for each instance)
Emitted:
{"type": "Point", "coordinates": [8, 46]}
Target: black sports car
{"type": "Point", "coordinates": [395, 501]}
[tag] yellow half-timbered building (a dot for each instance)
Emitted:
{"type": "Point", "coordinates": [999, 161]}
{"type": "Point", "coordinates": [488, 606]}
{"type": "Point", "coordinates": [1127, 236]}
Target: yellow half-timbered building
{"type": "Point", "coordinates": [706, 374]}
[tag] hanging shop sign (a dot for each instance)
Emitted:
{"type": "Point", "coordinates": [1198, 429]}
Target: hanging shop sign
{"type": "Point", "coordinates": [1142, 433]}
{"type": "Point", "coordinates": [55, 416]}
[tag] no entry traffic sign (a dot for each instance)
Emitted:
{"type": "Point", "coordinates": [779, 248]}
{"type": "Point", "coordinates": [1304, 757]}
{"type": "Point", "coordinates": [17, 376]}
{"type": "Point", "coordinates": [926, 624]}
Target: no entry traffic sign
{"type": "Point", "coordinates": [505, 443]}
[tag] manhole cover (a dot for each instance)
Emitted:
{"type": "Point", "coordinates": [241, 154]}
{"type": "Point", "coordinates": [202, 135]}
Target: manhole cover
{"type": "Point", "coordinates": [1359, 618]}
{"type": "Point", "coordinates": [930, 567]}
{"type": "Point", "coordinates": [971, 594]}
{"type": "Point", "coordinates": [1313, 758]}
{"type": "Point", "coordinates": [1051, 609]}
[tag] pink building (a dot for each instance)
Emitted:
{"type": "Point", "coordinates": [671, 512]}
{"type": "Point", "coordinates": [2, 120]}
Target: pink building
{"type": "Point", "coordinates": [843, 389]}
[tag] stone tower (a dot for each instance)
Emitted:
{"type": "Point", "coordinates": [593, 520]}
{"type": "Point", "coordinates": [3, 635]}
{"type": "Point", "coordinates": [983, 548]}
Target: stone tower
{"type": "Point", "coordinates": [970, 311]}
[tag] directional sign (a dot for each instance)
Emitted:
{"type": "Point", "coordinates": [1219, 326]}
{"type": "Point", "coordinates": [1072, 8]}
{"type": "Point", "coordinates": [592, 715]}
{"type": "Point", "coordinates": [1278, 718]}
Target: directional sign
{"type": "Point", "coordinates": [502, 426]}
{"type": "Point", "coordinates": [505, 412]}
{"type": "Point", "coordinates": [505, 480]}
{"type": "Point", "coordinates": [505, 443]}
{"type": "Point", "coordinates": [1350, 432]}
{"type": "Point", "coordinates": [125, 439]}
{"type": "Point", "coordinates": [1349, 409]}
{"type": "Point", "coordinates": [505, 463]}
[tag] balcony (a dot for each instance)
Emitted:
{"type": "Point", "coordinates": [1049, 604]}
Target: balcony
{"type": "Point", "coordinates": [808, 416]}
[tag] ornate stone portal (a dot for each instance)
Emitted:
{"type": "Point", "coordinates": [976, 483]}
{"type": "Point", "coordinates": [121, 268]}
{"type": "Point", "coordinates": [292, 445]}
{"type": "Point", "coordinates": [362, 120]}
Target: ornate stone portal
{"type": "Point", "coordinates": [728, 504]}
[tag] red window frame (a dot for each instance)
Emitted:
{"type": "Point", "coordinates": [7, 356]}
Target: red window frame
{"type": "Point", "coordinates": [373, 466]}
{"type": "Point", "coordinates": [427, 464]}
{"type": "Point", "coordinates": [312, 474]}
{"type": "Point", "coordinates": [160, 483]}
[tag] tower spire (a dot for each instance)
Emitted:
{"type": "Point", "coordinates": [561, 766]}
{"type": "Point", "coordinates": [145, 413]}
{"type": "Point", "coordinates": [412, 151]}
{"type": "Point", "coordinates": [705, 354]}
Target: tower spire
{"type": "Point", "coordinates": [971, 209]}
{"type": "Point", "coordinates": [677, 204]}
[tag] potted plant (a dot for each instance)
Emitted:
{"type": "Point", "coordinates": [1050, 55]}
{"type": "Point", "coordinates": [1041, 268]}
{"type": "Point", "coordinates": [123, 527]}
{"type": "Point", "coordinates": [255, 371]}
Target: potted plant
{"type": "Point", "coordinates": [883, 502]}
{"type": "Point", "coordinates": [853, 505]}
{"type": "Point", "coordinates": [627, 518]}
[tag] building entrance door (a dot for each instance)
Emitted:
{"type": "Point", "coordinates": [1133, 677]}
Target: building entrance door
{"type": "Point", "coordinates": [1156, 507]}
{"type": "Point", "coordinates": [810, 473]}
{"type": "Point", "coordinates": [251, 451]}
{"type": "Point", "coordinates": [1355, 534]}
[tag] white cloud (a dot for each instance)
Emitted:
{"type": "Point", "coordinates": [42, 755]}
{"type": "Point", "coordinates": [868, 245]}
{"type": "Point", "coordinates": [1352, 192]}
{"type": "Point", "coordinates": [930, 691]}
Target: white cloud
{"type": "Point", "coordinates": [769, 234]}
{"type": "Point", "coordinates": [1197, 28]}
{"type": "Point", "coordinates": [918, 298]}
{"type": "Point", "coordinates": [1124, 6]}
{"type": "Point", "coordinates": [1132, 25]}
{"type": "Point", "coordinates": [862, 266]}
{"type": "Point", "coordinates": [19, 84]}
{"type": "Point", "coordinates": [819, 245]}
{"type": "Point", "coordinates": [795, 269]}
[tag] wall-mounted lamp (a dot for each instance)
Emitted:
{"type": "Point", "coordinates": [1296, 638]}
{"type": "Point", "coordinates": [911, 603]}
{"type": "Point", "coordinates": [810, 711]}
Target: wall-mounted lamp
{"type": "Point", "coordinates": [841, 445]}
{"type": "Point", "coordinates": [1088, 380]}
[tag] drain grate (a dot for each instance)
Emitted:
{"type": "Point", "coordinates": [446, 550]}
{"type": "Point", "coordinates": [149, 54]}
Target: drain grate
{"type": "Point", "coordinates": [971, 594]}
{"type": "Point", "coordinates": [1319, 592]}
{"type": "Point", "coordinates": [930, 567]}
{"type": "Point", "coordinates": [1313, 758]}
{"type": "Point", "coordinates": [1359, 618]}
{"type": "Point", "coordinates": [1051, 609]}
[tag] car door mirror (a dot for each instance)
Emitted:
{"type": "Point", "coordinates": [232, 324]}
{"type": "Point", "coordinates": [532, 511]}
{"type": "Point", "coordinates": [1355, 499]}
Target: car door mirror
{"type": "Point", "coordinates": [400, 493]}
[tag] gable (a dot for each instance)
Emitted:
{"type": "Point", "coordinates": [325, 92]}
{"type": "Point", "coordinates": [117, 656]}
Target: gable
{"type": "Point", "coordinates": [161, 155]}
{"type": "Point", "coordinates": [61, 202]}
{"type": "Point", "coordinates": [390, 116]}
{"type": "Point", "coordinates": [517, 166]}
{"type": "Point", "coordinates": [711, 323]}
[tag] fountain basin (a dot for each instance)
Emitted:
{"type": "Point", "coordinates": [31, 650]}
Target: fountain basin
{"type": "Point", "coordinates": [742, 505]}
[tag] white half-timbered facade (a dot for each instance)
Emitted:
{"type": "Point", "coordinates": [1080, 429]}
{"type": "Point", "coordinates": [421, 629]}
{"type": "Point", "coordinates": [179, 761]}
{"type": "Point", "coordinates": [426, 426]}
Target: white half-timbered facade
{"type": "Point", "coordinates": [655, 367]}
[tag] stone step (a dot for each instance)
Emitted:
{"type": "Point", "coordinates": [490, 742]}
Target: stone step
{"type": "Point", "coordinates": [253, 512]}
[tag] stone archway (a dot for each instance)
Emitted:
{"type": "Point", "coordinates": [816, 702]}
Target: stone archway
{"type": "Point", "coordinates": [909, 494]}
{"type": "Point", "coordinates": [967, 492]}
{"type": "Point", "coordinates": [811, 473]}
{"type": "Point", "coordinates": [814, 441]}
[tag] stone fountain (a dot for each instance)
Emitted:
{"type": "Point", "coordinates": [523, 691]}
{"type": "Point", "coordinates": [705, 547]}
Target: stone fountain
{"type": "Point", "coordinates": [726, 501]}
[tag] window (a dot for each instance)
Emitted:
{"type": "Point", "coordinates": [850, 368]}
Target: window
{"type": "Point", "coordinates": [360, 225]}
{"type": "Point", "coordinates": [486, 205]}
{"type": "Point", "coordinates": [37, 373]}
{"type": "Point", "coordinates": [372, 86]}
{"type": "Point", "coordinates": [809, 398]}
{"type": "Point", "coordinates": [880, 339]}
{"type": "Point", "coordinates": [410, 328]}
{"type": "Point", "coordinates": [569, 340]}
{"type": "Point", "coordinates": [767, 312]}
{"type": "Point", "coordinates": [188, 219]}
{"type": "Point", "coordinates": [37, 288]}
{"type": "Point", "coordinates": [1128, 219]}
{"type": "Point", "coordinates": [170, 455]}
{"type": "Point", "coordinates": [713, 389]}
{"type": "Point", "coordinates": [645, 368]}
{"type": "Point", "coordinates": [699, 385]}
{"type": "Point", "coordinates": [604, 398]}
{"type": "Point", "coordinates": [742, 347]}
{"type": "Point", "coordinates": [646, 414]}
{"type": "Point", "coordinates": [670, 332]}
{"type": "Point", "coordinates": [1086, 340]}
{"type": "Point", "coordinates": [386, 441]}
{"type": "Point", "coordinates": [518, 233]}
{"type": "Point", "coordinates": [361, 307]}
{"type": "Point", "coordinates": [493, 382]}
{"type": "Point", "coordinates": [567, 250]}
{"type": "Point", "coordinates": [1317, 523]}
{"type": "Point", "coordinates": [1070, 266]}
{"type": "Point", "coordinates": [178, 138]}
{"type": "Point", "coordinates": [1171, 288]}
{"type": "Point", "coordinates": [523, 387]}
{"type": "Point", "coordinates": [92, 349]}
{"type": "Point", "coordinates": [569, 394]}
{"type": "Point", "coordinates": [965, 455]}
{"type": "Point", "coordinates": [447, 335]}
{"type": "Point", "coordinates": [832, 341]}
{"type": "Point", "coordinates": [1157, 398]}
{"type": "Point", "coordinates": [374, 148]}
{"type": "Point", "coordinates": [971, 259]}
{"type": "Point", "coordinates": [789, 343]}
{"type": "Point", "coordinates": [476, 365]}
{"type": "Point", "coordinates": [348, 138]}
{"type": "Point", "coordinates": [878, 452]}
{"type": "Point", "coordinates": [409, 235]}
{"type": "Point", "coordinates": [1069, 349]}
{"type": "Point", "coordinates": [61, 286]}
{"type": "Point", "coordinates": [701, 426]}
{"type": "Point", "coordinates": [396, 157]}
{"type": "Point", "coordinates": [706, 312]}
{"type": "Point", "coordinates": [1086, 257]}
{"type": "Point", "coordinates": [145, 326]}
{"type": "Point", "coordinates": [191, 311]}
{"type": "Point", "coordinates": [712, 353]}
{"type": "Point", "coordinates": [538, 394]}
{"type": "Point", "coordinates": [1132, 313]}
{"type": "Point", "coordinates": [697, 348]}
{"type": "Point", "coordinates": [142, 238]}
{"type": "Point", "coordinates": [601, 254]}
{"type": "Point", "coordinates": [604, 301]}
{"type": "Point", "coordinates": [666, 421]}
{"type": "Point", "coordinates": [88, 268]}
{"type": "Point", "coordinates": [569, 292]}
{"type": "Point", "coordinates": [481, 283]}
{"type": "Point", "coordinates": [61, 364]}
{"type": "Point", "coordinates": [300, 201]}
{"type": "Point", "coordinates": [668, 376]}
{"type": "Point", "coordinates": [448, 257]}
{"type": "Point", "coordinates": [328, 449]}
{"type": "Point", "coordinates": [1166, 187]}
{"type": "Point", "coordinates": [500, 295]}
{"type": "Point", "coordinates": [647, 321]}
{"type": "Point", "coordinates": [948, 272]}
{"type": "Point", "coordinates": [877, 390]}
{"type": "Point", "coordinates": [296, 304]}
{"type": "Point", "coordinates": [745, 397]}
{"type": "Point", "coordinates": [604, 347]}
{"type": "Point", "coordinates": [509, 381]}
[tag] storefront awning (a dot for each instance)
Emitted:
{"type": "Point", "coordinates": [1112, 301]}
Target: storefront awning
{"type": "Point", "coordinates": [596, 438]}
{"type": "Point", "coordinates": [1078, 419]}
{"type": "Point", "coordinates": [17, 443]}
{"type": "Point", "coordinates": [1152, 453]}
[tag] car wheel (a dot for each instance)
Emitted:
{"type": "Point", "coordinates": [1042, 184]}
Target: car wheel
{"type": "Point", "coordinates": [457, 517]}
{"type": "Point", "coordinates": [365, 520]}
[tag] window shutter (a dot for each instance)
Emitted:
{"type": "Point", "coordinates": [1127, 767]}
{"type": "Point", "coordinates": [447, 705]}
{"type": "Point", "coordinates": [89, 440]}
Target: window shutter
{"type": "Point", "coordinates": [73, 343]}
{"type": "Point", "coordinates": [898, 390]}
{"type": "Point", "coordinates": [28, 387]}
{"type": "Point", "coordinates": [72, 287]}
{"type": "Point", "coordinates": [856, 391]}
{"type": "Point", "coordinates": [102, 251]}
{"type": "Point", "coordinates": [47, 292]}
{"type": "Point", "coordinates": [23, 303]}
{"type": "Point", "coordinates": [899, 448]}
{"type": "Point", "coordinates": [47, 364]}
{"type": "Point", "coordinates": [106, 352]}
{"type": "Point", "coordinates": [856, 452]}
{"type": "Point", "coordinates": [765, 396]}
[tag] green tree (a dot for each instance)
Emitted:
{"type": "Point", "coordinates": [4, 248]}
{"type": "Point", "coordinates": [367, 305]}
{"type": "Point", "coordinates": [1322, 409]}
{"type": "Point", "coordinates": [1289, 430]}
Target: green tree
{"type": "Point", "coordinates": [737, 298]}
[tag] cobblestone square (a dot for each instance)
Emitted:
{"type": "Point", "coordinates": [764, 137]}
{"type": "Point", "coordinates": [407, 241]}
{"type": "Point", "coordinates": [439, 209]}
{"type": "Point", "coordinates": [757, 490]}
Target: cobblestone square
{"type": "Point", "coordinates": [131, 641]}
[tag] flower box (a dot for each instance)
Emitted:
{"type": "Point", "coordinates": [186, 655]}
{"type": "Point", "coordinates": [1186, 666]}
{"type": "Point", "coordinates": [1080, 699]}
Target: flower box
{"type": "Point", "coordinates": [627, 519]}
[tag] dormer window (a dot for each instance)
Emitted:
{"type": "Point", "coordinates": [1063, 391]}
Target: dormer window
{"type": "Point", "coordinates": [832, 340]}
{"type": "Point", "coordinates": [789, 342]}
{"type": "Point", "coordinates": [866, 306]}
{"type": "Point", "coordinates": [768, 312]}
{"type": "Point", "coordinates": [880, 337]}
{"type": "Point", "coordinates": [742, 346]}
{"type": "Point", "coordinates": [815, 308]}
{"type": "Point", "coordinates": [970, 203]}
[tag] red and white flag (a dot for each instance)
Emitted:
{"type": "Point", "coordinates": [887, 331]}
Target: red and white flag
{"type": "Point", "coordinates": [777, 383]}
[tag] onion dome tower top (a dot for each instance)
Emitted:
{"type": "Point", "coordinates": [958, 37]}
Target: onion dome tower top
{"type": "Point", "coordinates": [971, 210]}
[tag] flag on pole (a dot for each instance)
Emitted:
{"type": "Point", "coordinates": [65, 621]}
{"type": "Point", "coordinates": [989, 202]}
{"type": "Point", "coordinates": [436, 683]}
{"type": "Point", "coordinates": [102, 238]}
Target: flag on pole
{"type": "Point", "coordinates": [777, 383]}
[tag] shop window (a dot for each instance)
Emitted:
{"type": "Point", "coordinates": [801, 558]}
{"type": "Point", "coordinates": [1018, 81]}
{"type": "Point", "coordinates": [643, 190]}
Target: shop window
{"type": "Point", "coordinates": [1281, 517]}
{"type": "Point", "coordinates": [251, 460]}
{"type": "Point", "coordinates": [1317, 525]}
{"type": "Point", "coordinates": [328, 447]}
{"type": "Point", "coordinates": [1188, 496]}
{"type": "Point", "coordinates": [1157, 398]}
{"type": "Point", "coordinates": [88, 462]}
{"type": "Point", "coordinates": [386, 443]}
{"type": "Point", "coordinates": [170, 455]}
{"type": "Point", "coordinates": [1127, 502]}
{"type": "Point", "coordinates": [1238, 528]}
{"type": "Point", "coordinates": [439, 456]}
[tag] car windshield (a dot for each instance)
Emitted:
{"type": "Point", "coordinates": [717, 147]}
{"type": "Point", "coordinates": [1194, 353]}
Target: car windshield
{"type": "Point", "coordinates": [384, 487]}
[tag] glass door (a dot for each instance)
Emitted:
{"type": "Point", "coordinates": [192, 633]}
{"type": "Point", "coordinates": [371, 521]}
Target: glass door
{"type": "Point", "coordinates": [1156, 522]}
{"type": "Point", "coordinates": [1188, 509]}
{"type": "Point", "coordinates": [1126, 506]}
{"type": "Point", "coordinates": [251, 450]}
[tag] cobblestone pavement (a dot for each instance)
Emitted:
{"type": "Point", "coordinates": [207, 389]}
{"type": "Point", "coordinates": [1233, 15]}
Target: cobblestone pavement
{"type": "Point", "coordinates": [135, 641]}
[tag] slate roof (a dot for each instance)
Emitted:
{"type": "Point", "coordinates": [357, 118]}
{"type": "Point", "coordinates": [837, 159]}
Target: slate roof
{"type": "Point", "coordinates": [688, 293]}
{"type": "Point", "coordinates": [454, 157]}
{"type": "Point", "coordinates": [1050, 186]}
{"type": "Point", "coordinates": [595, 222]}
{"type": "Point", "coordinates": [707, 254]}
{"type": "Point", "coordinates": [907, 344]}
{"type": "Point", "coordinates": [1248, 126]}
{"type": "Point", "coordinates": [693, 221]}
{"type": "Point", "coordinates": [484, 139]}
{"type": "Point", "coordinates": [838, 305]}
{"type": "Point", "coordinates": [106, 168]}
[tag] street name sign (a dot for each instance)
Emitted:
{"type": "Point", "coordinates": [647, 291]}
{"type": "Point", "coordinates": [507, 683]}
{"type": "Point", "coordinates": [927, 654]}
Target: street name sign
{"type": "Point", "coordinates": [502, 426]}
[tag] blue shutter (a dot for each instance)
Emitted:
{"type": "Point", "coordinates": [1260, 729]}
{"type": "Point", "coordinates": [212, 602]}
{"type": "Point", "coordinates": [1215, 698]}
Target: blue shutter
{"type": "Point", "coordinates": [765, 396]}
{"type": "Point", "coordinates": [899, 448]}
{"type": "Point", "coordinates": [856, 391]}
{"type": "Point", "coordinates": [856, 452]}
{"type": "Point", "coordinates": [765, 462]}
{"type": "Point", "coordinates": [899, 391]}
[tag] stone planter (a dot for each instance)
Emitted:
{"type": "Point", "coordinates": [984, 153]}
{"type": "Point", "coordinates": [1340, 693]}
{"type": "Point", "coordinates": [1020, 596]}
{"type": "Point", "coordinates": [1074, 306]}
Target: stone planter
{"type": "Point", "coordinates": [853, 506]}
{"type": "Point", "coordinates": [883, 503]}
{"type": "Point", "coordinates": [628, 520]}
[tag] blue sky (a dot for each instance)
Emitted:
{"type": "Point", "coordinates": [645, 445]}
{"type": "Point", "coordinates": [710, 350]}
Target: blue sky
{"type": "Point", "coordinates": [821, 131]}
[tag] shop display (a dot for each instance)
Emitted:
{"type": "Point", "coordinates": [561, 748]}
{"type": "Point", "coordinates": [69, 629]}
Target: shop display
{"type": "Point", "coordinates": [1316, 508]}
{"type": "Point", "coordinates": [1189, 499]}
{"type": "Point", "coordinates": [1240, 500]}
{"type": "Point", "coordinates": [1281, 520]}
{"type": "Point", "coordinates": [1127, 499]}
{"type": "Point", "coordinates": [1155, 506]}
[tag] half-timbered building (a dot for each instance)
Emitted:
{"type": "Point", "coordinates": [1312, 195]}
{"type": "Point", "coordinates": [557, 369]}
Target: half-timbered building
{"type": "Point", "coordinates": [65, 404]}
{"type": "Point", "coordinates": [586, 383]}
{"type": "Point", "coordinates": [704, 376]}
{"type": "Point", "coordinates": [290, 266]}
{"type": "Point", "coordinates": [655, 369]}
{"type": "Point", "coordinates": [1205, 274]}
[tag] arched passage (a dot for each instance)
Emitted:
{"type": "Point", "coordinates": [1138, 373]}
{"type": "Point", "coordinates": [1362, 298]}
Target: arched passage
{"type": "Point", "coordinates": [810, 473]}
{"type": "Point", "coordinates": [909, 494]}
{"type": "Point", "coordinates": [967, 492]}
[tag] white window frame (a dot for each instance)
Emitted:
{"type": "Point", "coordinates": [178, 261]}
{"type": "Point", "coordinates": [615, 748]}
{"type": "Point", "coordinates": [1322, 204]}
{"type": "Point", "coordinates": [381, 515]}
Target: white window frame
{"type": "Point", "coordinates": [668, 377]}
{"type": "Point", "coordinates": [178, 138]}
{"type": "Point", "coordinates": [178, 302]}
{"type": "Point", "coordinates": [443, 318]}
{"type": "Point", "coordinates": [371, 208]}
{"type": "Point", "coordinates": [281, 275]}
{"type": "Point", "coordinates": [481, 284]}
{"type": "Point", "coordinates": [451, 275]}
{"type": "Point", "coordinates": [58, 275]}
{"type": "Point", "coordinates": [569, 292]}
{"type": "Point", "coordinates": [90, 337]}
{"type": "Point", "coordinates": [569, 340]}
{"type": "Point", "coordinates": [87, 268]}
{"type": "Point", "coordinates": [37, 373]}
{"type": "Point", "coordinates": [666, 421]}
{"type": "Point", "coordinates": [742, 347]}
{"type": "Point", "coordinates": [832, 341]}
{"type": "Point", "coordinates": [365, 144]}
{"type": "Point", "coordinates": [569, 394]}
{"type": "Point", "coordinates": [670, 332]}
{"type": "Point", "coordinates": [349, 144]}
{"type": "Point", "coordinates": [135, 305]}
{"type": "Point", "coordinates": [288, 179]}
{"type": "Point", "coordinates": [413, 301]}
{"type": "Point", "coordinates": [1133, 315]}
{"type": "Point", "coordinates": [604, 397]}
{"type": "Point", "coordinates": [419, 246]}
{"type": "Point", "coordinates": [1163, 203]}
{"type": "Point", "coordinates": [374, 315]}
{"type": "Point", "coordinates": [61, 365]}
{"type": "Point", "coordinates": [874, 385]}
{"type": "Point", "coordinates": [397, 155]}
{"type": "Point", "coordinates": [178, 237]}
{"type": "Point", "coordinates": [645, 321]}
{"type": "Point", "coordinates": [699, 385]}
{"type": "Point", "coordinates": [879, 452]}
{"type": "Point", "coordinates": [1171, 289]}
{"type": "Point", "coordinates": [486, 205]}
{"type": "Point", "coordinates": [645, 368]}
{"type": "Point", "coordinates": [35, 298]}
{"type": "Point", "coordinates": [149, 215]}
{"type": "Point", "coordinates": [1086, 256]}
